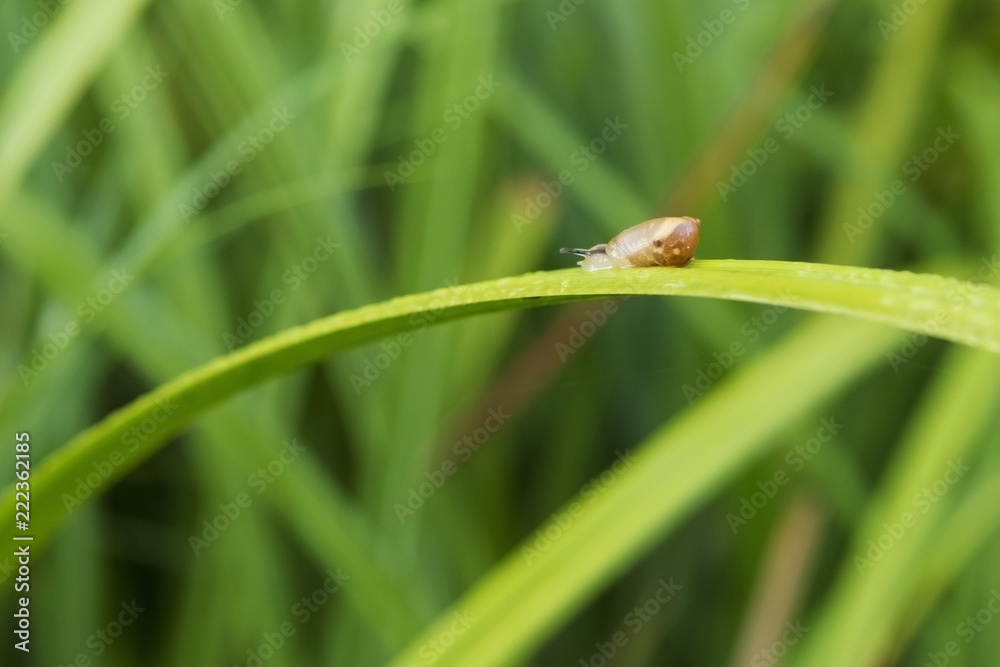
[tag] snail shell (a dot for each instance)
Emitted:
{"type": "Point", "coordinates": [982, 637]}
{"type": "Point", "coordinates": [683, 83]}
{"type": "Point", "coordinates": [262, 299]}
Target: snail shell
{"type": "Point", "coordinates": [659, 242]}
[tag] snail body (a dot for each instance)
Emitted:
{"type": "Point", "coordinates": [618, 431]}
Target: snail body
{"type": "Point", "coordinates": [658, 242]}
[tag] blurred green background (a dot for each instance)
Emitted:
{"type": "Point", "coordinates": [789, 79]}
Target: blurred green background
{"type": "Point", "coordinates": [178, 179]}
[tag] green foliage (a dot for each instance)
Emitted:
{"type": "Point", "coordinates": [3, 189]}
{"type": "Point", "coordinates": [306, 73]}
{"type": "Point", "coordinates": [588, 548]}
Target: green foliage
{"type": "Point", "coordinates": [271, 277]}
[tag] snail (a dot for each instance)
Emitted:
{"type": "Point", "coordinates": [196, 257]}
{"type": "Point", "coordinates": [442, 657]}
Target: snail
{"type": "Point", "coordinates": [659, 242]}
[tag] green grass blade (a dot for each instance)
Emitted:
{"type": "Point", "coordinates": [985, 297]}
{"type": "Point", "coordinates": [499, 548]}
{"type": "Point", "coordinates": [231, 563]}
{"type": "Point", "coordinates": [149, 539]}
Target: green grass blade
{"type": "Point", "coordinates": [859, 625]}
{"type": "Point", "coordinates": [41, 93]}
{"type": "Point", "coordinates": [594, 538]}
{"type": "Point", "coordinates": [883, 125]}
{"type": "Point", "coordinates": [948, 308]}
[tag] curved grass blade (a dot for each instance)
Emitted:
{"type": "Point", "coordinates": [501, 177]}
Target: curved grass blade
{"type": "Point", "coordinates": [947, 308]}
